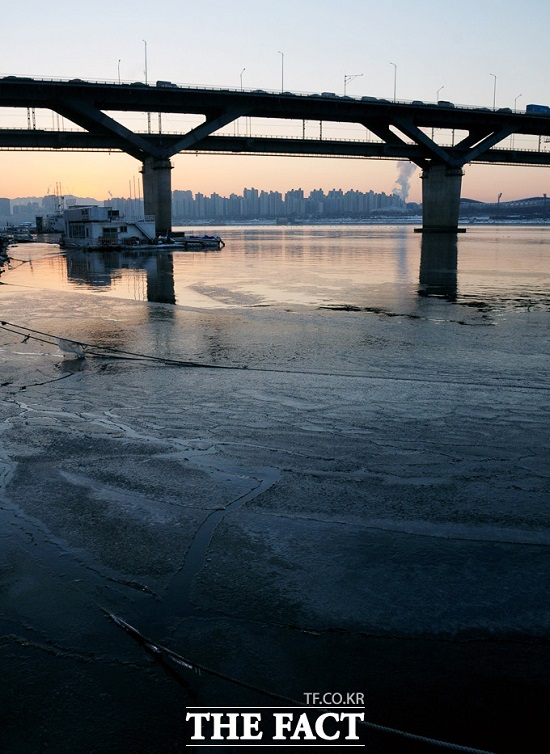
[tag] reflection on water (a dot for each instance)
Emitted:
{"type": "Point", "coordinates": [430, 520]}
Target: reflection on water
{"type": "Point", "coordinates": [143, 276]}
{"type": "Point", "coordinates": [439, 265]}
{"type": "Point", "coordinates": [308, 266]}
{"type": "Point", "coordinates": [148, 276]}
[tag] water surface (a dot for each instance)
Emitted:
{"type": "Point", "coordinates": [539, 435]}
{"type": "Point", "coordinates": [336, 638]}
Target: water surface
{"type": "Point", "coordinates": [503, 267]}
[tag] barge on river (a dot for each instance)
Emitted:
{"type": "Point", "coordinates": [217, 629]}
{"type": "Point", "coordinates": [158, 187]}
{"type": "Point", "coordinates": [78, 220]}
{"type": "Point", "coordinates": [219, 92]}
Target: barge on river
{"type": "Point", "coordinates": [94, 228]}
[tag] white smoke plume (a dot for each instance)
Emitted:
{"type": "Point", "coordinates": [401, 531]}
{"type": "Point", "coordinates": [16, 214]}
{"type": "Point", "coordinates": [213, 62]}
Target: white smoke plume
{"type": "Point", "coordinates": [404, 173]}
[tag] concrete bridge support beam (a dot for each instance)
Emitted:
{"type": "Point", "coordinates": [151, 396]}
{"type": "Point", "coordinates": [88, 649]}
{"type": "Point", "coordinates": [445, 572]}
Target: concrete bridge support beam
{"type": "Point", "coordinates": [157, 193]}
{"type": "Point", "coordinates": [441, 198]}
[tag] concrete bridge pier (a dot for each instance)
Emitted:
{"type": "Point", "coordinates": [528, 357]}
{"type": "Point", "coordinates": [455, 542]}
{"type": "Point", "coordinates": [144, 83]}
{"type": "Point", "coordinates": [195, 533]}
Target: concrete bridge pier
{"type": "Point", "coordinates": [441, 186]}
{"type": "Point", "coordinates": [157, 192]}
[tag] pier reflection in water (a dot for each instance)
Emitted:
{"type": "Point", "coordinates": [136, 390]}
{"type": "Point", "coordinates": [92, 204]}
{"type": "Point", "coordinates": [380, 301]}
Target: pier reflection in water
{"type": "Point", "coordinates": [439, 265]}
{"type": "Point", "coordinates": [152, 274]}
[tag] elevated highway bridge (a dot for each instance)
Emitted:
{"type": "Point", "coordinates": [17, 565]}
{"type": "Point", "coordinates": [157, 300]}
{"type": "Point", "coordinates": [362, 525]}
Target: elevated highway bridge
{"type": "Point", "coordinates": [403, 131]}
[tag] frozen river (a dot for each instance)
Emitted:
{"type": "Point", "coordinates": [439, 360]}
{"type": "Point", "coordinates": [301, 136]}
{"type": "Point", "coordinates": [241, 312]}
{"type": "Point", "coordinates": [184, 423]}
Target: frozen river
{"type": "Point", "coordinates": [313, 461]}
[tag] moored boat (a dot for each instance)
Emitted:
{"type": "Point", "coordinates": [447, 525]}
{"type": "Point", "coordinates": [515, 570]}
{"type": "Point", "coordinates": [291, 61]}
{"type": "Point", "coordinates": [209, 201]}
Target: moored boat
{"type": "Point", "coordinates": [195, 242]}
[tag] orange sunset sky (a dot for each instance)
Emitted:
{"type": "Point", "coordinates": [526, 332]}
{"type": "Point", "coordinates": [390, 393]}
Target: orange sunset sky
{"type": "Point", "coordinates": [102, 175]}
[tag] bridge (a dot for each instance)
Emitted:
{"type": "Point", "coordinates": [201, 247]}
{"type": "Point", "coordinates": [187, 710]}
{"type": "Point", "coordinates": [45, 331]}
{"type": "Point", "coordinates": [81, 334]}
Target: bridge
{"type": "Point", "coordinates": [402, 131]}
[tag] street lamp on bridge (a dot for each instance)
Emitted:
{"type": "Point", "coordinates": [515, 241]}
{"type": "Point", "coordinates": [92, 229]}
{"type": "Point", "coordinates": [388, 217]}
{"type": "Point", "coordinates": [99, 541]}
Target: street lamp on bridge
{"type": "Point", "coordinates": [512, 138]}
{"type": "Point", "coordinates": [145, 71]}
{"type": "Point", "coordinates": [148, 114]}
{"type": "Point", "coordinates": [394, 80]}
{"type": "Point", "coordinates": [350, 77]}
{"type": "Point", "coordinates": [282, 70]}
{"type": "Point", "coordinates": [243, 70]}
{"type": "Point", "coordinates": [494, 91]}
{"type": "Point", "coordinates": [437, 95]}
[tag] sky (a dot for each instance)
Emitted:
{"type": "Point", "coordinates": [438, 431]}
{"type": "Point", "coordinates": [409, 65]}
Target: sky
{"type": "Point", "coordinates": [468, 52]}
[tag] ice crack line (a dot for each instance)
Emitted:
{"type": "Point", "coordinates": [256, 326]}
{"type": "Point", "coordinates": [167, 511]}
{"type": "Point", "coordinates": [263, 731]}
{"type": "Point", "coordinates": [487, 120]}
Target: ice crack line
{"type": "Point", "coordinates": [178, 597]}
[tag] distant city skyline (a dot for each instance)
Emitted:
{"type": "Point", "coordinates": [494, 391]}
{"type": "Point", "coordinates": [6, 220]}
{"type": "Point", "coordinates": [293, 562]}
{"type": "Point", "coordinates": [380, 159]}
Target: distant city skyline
{"type": "Point", "coordinates": [253, 203]}
{"type": "Point", "coordinates": [195, 206]}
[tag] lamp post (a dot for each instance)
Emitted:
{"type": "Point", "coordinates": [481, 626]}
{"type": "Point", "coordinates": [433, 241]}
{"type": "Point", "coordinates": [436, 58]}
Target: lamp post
{"type": "Point", "coordinates": [282, 70]}
{"type": "Point", "coordinates": [437, 95]}
{"type": "Point", "coordinates": [350, 77]}
{"type": "Point", "coordinates": [494, 90]}
{"type": "Point", "coordinates": [243, 70]}
{"type": "Point", "coordinates": [145, 43]}
{"type": "Point", "coordinates": [119, 71]}
{"type": "Point", "coordinates": [148, 114]}
{"type": "Point", "coordinates": [512, 139]}
{"type": "Point", "coordinates": [394, 80]}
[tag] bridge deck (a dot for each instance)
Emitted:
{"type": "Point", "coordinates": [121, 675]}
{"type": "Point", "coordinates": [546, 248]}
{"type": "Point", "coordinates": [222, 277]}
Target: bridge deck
{"type": "Point", "coordinates": [404, 129]}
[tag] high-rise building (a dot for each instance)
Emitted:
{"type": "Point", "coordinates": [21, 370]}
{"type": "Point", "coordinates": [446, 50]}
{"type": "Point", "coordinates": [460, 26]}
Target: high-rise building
{"type": "Point", "coordinates": [5, 210]}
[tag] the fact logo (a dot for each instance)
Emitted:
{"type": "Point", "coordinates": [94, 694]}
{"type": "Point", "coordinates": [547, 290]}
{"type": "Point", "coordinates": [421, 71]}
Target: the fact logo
{"type": "Point", "coordinates": [275, 726]}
